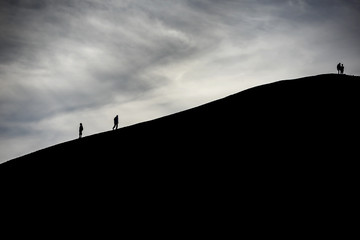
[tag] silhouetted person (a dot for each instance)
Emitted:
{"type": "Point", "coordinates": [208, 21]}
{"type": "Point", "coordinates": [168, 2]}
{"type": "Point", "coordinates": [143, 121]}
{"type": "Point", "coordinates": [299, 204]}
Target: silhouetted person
{"type": "Point", "coordinates": [116, 122]}
{"type": "Point", "coordinates": [338, 67]}
{"type": "Point", "coordinates": [80, 130]}
{"type": "Point", "coordinates": [342, 69]}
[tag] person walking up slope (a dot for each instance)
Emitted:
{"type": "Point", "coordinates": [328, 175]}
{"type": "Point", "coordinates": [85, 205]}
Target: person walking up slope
{"type": "Point", "coordinates": [116, 122]}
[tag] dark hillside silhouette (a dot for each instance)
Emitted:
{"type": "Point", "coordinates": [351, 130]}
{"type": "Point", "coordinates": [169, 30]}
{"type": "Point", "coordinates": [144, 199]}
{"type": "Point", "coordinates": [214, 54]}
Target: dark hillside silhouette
{"type": "Point", "coordinates": [296, 117]}
{"type": "Point", "coordinates": [277, 144]}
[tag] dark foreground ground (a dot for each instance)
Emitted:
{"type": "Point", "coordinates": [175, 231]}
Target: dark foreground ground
{"type": "Point", "coordinates": [283, 149]}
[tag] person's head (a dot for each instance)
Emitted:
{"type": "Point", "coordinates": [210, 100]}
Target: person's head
{"type": "Point", "coordinates": [80, 124]}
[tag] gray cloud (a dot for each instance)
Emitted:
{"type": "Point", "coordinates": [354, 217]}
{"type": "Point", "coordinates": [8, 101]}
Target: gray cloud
{"type": "Point", "coordinates": [62, 62]}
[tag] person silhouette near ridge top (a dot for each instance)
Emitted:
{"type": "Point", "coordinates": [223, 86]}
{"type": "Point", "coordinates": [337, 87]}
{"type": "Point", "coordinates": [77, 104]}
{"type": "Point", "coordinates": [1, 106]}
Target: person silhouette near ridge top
{"type": "Point", "coordinates": [340, 68]}
{"type": "Point", "coordinates": [116, 122]}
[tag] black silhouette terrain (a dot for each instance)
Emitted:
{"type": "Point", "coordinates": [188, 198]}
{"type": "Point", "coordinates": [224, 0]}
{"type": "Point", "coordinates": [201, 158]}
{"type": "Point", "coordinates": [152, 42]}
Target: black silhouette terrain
{"type": "Point", "coordinates": [304, 119]}
{"type": "Point", "coordinates": [275, 145]}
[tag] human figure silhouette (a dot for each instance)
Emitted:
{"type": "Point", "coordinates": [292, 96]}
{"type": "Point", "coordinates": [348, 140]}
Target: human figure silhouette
{"type": "Point", "coordinates": [338, 67]}
{"type": "Point", "coordinates": [116, 122]}
{"type": "Point", "coordinates": [81, 128]}
{"type": "Point", "coordinates": [342, 69]}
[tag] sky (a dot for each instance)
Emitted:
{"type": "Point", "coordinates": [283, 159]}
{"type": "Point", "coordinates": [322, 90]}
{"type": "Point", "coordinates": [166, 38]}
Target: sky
{"type": "Point", "coordinates": [71, 61]}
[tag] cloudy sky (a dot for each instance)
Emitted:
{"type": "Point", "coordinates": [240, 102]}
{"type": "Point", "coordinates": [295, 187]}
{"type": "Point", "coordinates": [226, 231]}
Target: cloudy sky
{"type": "Point", "coordinates": [71, 61]}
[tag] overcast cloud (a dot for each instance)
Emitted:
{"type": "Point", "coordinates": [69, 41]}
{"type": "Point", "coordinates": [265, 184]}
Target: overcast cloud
{"type": "Point", "coordinates": [66, 62]}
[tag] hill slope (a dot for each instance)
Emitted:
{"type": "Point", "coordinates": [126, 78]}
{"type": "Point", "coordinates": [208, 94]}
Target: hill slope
{"type": "Point", "coordinates": [286, 127]}
{"type": "Point", "coordinates": [282, 120]}
{"type": "Point", "coordinates": [279, 157]}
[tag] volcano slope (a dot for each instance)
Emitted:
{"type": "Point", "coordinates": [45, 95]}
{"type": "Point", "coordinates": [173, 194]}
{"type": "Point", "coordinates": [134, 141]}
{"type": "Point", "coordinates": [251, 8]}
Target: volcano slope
{"type": "Point", "coordinates": [290, 127]}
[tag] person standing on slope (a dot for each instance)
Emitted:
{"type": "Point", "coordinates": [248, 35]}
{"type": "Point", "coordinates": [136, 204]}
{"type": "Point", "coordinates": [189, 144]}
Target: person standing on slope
{"type": "Point", "coordinates": [116, 122]}
{"type": "Point", "coordinates": [81, 128]}
{"type": "Point", "coordinates": [338, 67]}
